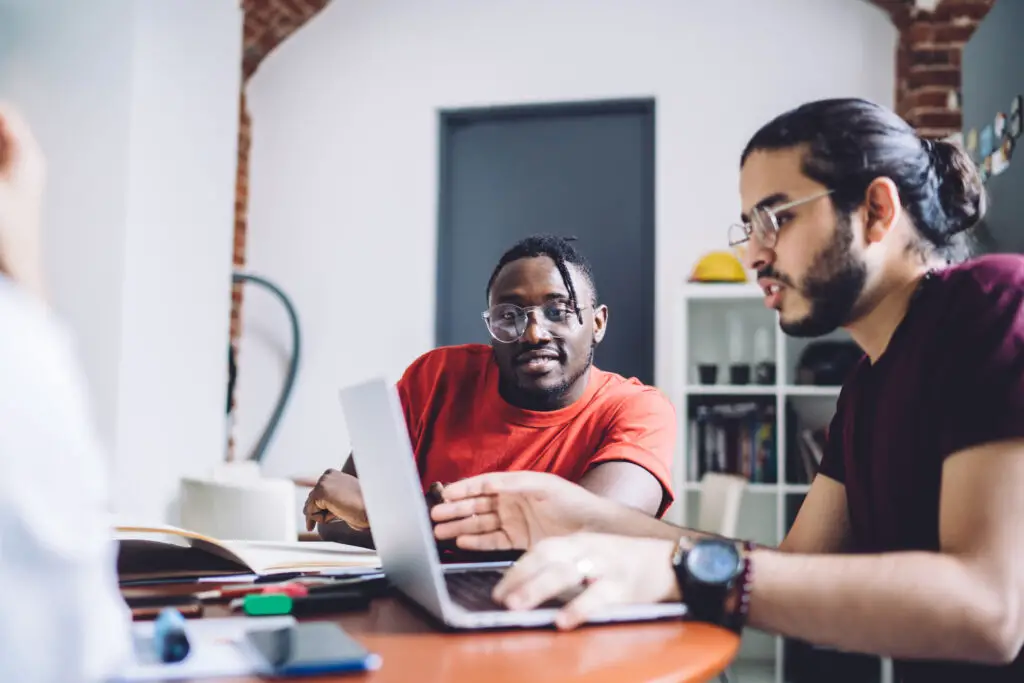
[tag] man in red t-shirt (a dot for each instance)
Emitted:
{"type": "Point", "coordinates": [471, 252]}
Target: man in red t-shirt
{"type": "Point", "coordinates": [533, 400]}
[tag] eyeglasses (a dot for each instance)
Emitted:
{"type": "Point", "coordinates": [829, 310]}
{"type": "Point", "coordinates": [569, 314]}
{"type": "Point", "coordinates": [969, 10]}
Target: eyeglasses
{"type": "Point", "coordinates": [764, 223]}
{"type": "Point", "coordinates": [507, 323]}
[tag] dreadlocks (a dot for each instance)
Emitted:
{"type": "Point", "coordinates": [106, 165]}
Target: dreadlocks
{"type": "Point", "coordinates": [559, 250]}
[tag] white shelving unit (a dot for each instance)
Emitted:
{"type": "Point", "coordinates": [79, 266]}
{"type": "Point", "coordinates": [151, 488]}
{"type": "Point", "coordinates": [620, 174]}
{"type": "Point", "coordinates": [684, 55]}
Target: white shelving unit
{"type": "Point", "coordinates": [701, 336]}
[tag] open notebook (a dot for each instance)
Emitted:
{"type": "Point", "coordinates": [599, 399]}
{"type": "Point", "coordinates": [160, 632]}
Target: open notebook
{"type": "Point", "coordinates": [165, 552]}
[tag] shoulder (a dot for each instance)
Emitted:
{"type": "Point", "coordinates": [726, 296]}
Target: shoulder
{"type": "Point", "coordinates": [979, 321]}
{"type": "Point", "coordinates": [450, 361]}
{"type": "Point", "coordinates": [983, 292]}
{"type": "Point", "coordinates": [629, 398]}
{"type": "Point", "coordinates": [989, 280]}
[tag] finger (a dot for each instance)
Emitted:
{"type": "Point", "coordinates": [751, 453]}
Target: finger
{"type": "Point", "coordinates": [11, 133]}
{"type": "Point", "coordinates": [446, 512]}
{"type": "Point", "coordinates": [549, 581]}
{"type": "Point", "coordinates": [326, 517]}
{"type": "Point", "coordinates": [596, 597]}
{"type": "Point", "coordinates": [316, 511]}
{"type": "Point", "coordinates": [313, 495]}
{"type": "Point", "coordinates": [496, 540]}
{"type": "Point", "coordinates": [532, 563]}
{"type": "Point", "coordinates": [17, 143]}
{"type": "Point", "coordinates": [471, 487]}
{"type": "Point", "coordinates": [310, 511]}
{"type": "Point", "coordinates": [468, 526]}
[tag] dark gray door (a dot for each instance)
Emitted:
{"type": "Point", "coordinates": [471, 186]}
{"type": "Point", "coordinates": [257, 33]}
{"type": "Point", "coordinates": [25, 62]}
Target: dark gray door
{"type": "Point", "coordinates": [585, 170]}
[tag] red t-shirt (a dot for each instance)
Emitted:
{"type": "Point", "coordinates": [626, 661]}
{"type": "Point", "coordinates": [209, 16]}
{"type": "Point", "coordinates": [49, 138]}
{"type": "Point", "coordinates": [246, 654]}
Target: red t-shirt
{"type": "Point", "coordinates": [951, 378]}
{"type": "Point", "coordinates": [460, 426]}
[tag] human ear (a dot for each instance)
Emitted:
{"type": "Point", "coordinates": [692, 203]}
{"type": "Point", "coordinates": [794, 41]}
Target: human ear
{"type": "Point", "coordinates": [884, 209]}
{"type": "Point", "coordinates": [600, 323]}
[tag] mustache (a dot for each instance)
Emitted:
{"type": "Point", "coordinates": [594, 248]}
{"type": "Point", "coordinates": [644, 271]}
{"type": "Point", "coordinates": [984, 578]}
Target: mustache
{"type": "Point", "coordinates": [771, 273]}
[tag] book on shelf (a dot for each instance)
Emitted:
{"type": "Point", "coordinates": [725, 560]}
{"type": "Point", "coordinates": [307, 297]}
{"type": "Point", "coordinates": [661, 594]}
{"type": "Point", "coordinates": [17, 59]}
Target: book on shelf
{"type": "Point", "coordinates": [805, 442]}
{"type": "Point", "coordinates": [734, 438]}
{"type": "Point", "coordinates": [166, 552]}
{"type": "Point", "coordinates": [812, 449]}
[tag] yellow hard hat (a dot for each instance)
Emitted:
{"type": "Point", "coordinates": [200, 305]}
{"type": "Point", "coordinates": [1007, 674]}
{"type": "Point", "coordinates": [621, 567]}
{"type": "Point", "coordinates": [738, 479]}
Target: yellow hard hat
{"type": "Point", "coordinates": [718, 266]}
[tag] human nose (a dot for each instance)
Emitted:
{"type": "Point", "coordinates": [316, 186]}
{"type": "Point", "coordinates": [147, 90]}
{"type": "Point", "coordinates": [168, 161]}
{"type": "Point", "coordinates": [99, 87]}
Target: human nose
{"type": "Point", "coordinates": [756, 255]}
{"type": "Point", "coordinates": [536, 332]}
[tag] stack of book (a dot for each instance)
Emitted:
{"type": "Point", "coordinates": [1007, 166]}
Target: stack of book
{"type": "Point", "coordinates": [734, 438]}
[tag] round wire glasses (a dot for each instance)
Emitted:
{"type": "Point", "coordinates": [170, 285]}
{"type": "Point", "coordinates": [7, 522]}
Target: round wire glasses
{"type": "Point", "coordinates": [507, 323]}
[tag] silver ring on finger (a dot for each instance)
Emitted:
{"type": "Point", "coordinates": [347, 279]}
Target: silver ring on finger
{"type": "Point", "coordinates": [585, 568]}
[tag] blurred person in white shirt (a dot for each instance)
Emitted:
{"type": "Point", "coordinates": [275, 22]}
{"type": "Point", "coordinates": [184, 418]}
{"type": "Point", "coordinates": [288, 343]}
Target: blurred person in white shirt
{"type": "Point", "coordinates": [63, 619]}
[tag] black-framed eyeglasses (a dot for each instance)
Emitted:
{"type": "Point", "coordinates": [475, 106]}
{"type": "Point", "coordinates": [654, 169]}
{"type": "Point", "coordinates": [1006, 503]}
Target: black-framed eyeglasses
{"type": "Point", "coordinates": [507, 323]}
{"type": "Point", "coordinates": [764, 223]}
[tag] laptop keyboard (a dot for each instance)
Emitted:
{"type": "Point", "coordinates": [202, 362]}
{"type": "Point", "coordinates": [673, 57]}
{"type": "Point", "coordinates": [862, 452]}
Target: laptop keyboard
{"type": "Point", "coordinates": [472, 590]}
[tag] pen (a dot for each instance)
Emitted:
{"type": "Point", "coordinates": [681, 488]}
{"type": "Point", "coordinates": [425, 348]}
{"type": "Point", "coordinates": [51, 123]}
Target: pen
{"type": "Point", "coordinates": [240, 591]}
{"type": "Point", "coordinates": [370, 581]}
{"type": "Point", "coordinates": [169, 638]}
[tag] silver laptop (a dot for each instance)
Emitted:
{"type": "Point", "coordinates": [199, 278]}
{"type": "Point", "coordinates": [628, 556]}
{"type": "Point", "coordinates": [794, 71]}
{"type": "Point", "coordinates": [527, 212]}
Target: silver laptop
{"type": "Point", "coordinates": [457, 595]}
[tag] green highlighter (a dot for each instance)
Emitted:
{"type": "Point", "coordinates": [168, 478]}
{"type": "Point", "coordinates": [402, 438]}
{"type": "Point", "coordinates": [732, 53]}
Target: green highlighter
{"type": "Point", "coordinates": [273, 604]}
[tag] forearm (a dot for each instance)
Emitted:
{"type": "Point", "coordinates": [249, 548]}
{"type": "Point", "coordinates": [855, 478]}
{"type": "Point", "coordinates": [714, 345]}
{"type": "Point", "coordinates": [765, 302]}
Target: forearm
{"type": "Point", "coordinates": [340, 532]}
{"type": "Point", "coordinates": [903, 605]}
{"type": "Point", "coordinates": [622, 520]}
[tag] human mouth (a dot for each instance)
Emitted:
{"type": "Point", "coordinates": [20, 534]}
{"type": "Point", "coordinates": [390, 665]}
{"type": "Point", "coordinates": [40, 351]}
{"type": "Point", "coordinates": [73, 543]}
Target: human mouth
{"type": "Point", "coordinates": [537, 362]}
{"type": "Point", "coordinates": [772, 293]}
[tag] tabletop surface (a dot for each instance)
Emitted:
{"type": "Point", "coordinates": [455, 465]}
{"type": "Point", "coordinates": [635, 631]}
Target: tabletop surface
{"type": "Point", "coordinates": [414, 649]}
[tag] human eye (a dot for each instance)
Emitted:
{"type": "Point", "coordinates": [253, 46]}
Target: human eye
{"type": "Point", "coordinates": [558, 312]}
{"type": "Point", "coordinates": [505, 313]}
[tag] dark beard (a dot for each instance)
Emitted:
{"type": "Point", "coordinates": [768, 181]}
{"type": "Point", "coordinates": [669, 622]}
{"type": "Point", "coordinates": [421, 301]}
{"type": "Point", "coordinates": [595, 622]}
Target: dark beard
{"type": "Point", "coordinates": [543, 400]}
{"type": "Point", "coordinates": [833, 287]}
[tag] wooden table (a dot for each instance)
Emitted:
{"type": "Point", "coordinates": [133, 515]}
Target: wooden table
{"type": "Point", "coordinates": [414, 650]}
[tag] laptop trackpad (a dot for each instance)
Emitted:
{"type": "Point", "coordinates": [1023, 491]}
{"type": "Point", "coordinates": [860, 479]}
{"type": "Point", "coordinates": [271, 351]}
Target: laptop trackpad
{"type": "Point", "coordinates": [472, 590]}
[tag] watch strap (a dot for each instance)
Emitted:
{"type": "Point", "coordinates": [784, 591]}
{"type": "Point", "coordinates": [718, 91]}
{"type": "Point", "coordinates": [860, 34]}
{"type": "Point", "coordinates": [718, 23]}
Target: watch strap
{"type": "Point", "coordinates": [705, 602]}
{"type": "Point", "coordinates": [737, 618]}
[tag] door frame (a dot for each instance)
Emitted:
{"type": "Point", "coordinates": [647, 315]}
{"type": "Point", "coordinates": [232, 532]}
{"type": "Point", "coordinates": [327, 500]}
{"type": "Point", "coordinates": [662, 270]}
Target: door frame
{"type": "Point", "coordinates": [450, 120]}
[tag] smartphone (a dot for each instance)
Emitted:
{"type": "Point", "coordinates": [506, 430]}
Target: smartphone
{"type": "Point", "coordinates": [311, 648]}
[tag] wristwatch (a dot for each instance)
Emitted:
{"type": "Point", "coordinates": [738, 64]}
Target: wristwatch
{"type": "Point", "coordinates": [707, 570]}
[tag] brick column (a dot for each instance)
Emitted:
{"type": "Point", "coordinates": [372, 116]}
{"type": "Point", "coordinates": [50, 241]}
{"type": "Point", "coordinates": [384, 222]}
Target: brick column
{"type": "Point", "coordinates": [928, 60]}
{"type": "Point", "coordinates": [267, 24]}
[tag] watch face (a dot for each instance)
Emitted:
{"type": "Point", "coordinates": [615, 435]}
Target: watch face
{"type": "Point", "coordinates": [713, 562]}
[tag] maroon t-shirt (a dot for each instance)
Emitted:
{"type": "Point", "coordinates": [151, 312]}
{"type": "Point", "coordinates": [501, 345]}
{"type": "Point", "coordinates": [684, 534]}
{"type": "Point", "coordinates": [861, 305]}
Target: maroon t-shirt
{"type": "Point", "coordinates": [951, 378]}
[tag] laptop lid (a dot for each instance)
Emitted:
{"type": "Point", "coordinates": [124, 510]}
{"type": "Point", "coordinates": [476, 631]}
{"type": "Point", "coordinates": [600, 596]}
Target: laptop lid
{"type": "Point", "coordinates": [395, 506]}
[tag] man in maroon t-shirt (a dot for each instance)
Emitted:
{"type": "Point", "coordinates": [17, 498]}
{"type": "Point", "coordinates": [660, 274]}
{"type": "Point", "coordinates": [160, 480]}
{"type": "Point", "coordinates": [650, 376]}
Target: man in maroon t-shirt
{"type": "Point", "coordinates": [910, 543]}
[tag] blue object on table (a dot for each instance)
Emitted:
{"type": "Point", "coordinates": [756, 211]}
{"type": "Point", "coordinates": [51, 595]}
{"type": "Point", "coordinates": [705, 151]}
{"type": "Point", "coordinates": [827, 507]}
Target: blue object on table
{"type": "Point", "coordinates": [169, 636]}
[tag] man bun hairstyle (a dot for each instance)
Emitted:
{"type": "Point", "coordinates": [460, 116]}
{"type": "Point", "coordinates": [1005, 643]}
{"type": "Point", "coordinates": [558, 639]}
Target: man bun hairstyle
{"type": "Point", "coordinates": [850, 142]}
{"type": "Point", "coordinates": [559, 250]}
{"type": "Point", "coordinates": [961, 192]}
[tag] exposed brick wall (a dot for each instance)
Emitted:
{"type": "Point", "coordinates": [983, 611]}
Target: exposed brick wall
{"type": "Point", "coordinates": [267, 24]}
{"type": "Point", "coordinates": [928, 60]}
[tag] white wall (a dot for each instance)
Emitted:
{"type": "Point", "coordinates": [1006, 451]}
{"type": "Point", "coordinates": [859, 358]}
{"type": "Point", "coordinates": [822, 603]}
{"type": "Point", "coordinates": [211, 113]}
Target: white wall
{"type": "Point", "coordinates": [136, 106]}
{"type": "Point", "coordinates": [344, 162]}
{"type": "Point", "coordinates": [68, 67]}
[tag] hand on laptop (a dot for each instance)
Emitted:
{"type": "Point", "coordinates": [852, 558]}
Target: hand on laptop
{"type": "Point", "coordinates": [336, 496]}
{"type": "Point", "coordinates": [514, 510]}
{"type": "Point", "coordinates": [614, 570]}
{"type": "Point", "coordinates": [22, 178]}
